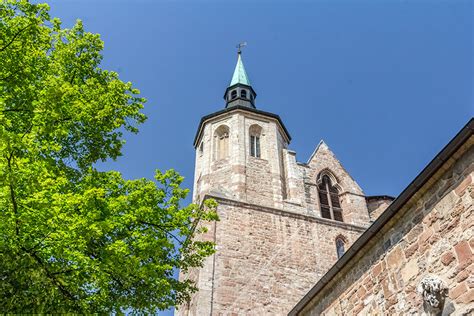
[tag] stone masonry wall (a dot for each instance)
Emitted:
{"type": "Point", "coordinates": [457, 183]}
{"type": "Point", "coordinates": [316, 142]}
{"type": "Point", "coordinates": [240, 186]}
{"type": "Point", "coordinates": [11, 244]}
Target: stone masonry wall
{"type": "Point", "coordinates": [240, 176]}
{"type": "Point", "coordinates": [432, 235]}
{"type": "Point", "coordinates": [272, 244]}
{"type": "Point", "coordinates": [275, 179]}
{"type": "Point", "coordinates": [377, 206]}
{"type": "Point", "coordinates": [352, 199]}
{"type": "Point", "coordinates": [266, 260]}
{"type": "Point", "coordinates": [259, 187]}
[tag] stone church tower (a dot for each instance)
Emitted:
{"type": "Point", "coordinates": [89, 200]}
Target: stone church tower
{"type": "Point", "coordinates": [283, 223]}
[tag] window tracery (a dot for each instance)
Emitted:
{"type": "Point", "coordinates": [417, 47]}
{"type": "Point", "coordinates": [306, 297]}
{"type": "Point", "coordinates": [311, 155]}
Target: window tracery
{"type": "Point", "coordinates": [329, 199]}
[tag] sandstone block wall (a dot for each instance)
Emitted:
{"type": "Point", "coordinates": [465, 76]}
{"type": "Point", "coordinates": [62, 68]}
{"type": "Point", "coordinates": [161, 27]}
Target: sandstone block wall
{"type": "Point", "coordinates": [376, 205]}
{"type": "Point", "coordinates": [266, 260]}
{"type": "Point", "coordinates": [352, 198]}
{"type": "Point", "coordinates": [432, 235]}
{"type": "Point", "coordinates": [239, 175]}
{"type": "Point", "coordinates": [272, 243]}
{"type": "Point", "coordinates": [275, 179]}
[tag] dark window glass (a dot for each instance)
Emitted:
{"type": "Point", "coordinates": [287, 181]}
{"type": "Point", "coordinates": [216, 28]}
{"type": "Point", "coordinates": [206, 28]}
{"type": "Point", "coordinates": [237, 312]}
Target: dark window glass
{"type": "Point", "coordinates": [326, 180]}
{"type": "Point", "coordinates": [243, 93]}
{"type": "Point", "coordinates": [255, 146]}
{"type": "Point", "coordinates": [325, 213]}
{"type": "Point", "coordinates": [201, 148]}
{"type": "Point", "coordinates": [337, 214]}
{"type": "Point", "coordinates": [252, 146]}
{"type": "Point", "coordinates": [323, 198]}
{"type": "Point", "coordinates": [233, 94]}
{"type": "Point", "coordinates": [340, 247]}
{"type": "Point", "coordinates": [335, 200]}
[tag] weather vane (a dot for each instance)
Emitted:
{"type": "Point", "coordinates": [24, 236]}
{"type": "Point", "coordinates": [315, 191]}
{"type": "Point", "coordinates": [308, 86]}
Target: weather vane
{"type": "Point", "coordinates": [240, 46]}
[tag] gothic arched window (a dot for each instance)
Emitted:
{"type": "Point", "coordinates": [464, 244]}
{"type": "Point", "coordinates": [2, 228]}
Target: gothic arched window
{"type": "Point", "coordinates": [255, 132]}
{"type": "Point", "coordinates": [221, 137]}
{"type": "Point", "coordinates": [201, 148]}
{"type": "Point", "coordinates": [340, 243]}
{"type": "Point", "coordinates": [243, 94]}
{"type": "Point", "coordinates": [329, 200]}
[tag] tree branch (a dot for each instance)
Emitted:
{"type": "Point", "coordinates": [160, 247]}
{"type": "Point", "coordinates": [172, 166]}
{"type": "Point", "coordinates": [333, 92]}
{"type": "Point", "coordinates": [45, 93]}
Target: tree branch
{"type": "Point", "coordinates": [65, 271]}
{"type": "Point", "coordinates": [162, 229]}
{"type": "Point", "coordinates": [51, 276]}
{"type": "Point", "coordinates": [9, 76]}
{"type": "Point", "coordinates": [39, 242]}
{"type": "Point", "coordinates": [16, 110]}
{"type": "Point", "coordinates": [14, 37]}
{"type": "Point", "coordinates": [13, 197]}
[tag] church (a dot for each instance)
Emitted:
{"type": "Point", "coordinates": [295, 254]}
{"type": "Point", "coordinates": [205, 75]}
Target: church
{"type": "Point", "coordinates": [289, 235]}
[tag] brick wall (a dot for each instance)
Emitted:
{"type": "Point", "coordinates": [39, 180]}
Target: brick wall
{"type": "Point", "coordinates": [433, 234]}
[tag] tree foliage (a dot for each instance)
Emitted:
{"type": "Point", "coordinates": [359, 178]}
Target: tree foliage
{"type": "Point", "coordinates": [72, 238]}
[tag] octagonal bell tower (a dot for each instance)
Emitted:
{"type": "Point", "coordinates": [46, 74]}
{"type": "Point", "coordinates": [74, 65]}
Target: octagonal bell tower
{"type": "Point", "coordinates": [239, 150]}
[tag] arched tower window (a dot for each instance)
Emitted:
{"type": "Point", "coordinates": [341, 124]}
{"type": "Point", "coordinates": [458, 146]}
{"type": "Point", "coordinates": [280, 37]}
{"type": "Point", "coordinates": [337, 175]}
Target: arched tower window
{"type": "Point", "coordinates": [329, 199]}
{"type": "Point", "coordinates": [255, 133]}
{"type": "Point", "coordinates": [201, 148]}
{"type": "Point", "coordinates": [221, 137]}
{"type": "Point", "coordinates": [233, 94]}
{"type": "Point", "coordinates": [340, 247]}
{"type": "Point", "coordinates": [243, 94]}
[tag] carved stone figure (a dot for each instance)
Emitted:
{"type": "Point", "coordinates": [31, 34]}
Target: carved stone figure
{"type": "Point", "coordinates": [434, 292]}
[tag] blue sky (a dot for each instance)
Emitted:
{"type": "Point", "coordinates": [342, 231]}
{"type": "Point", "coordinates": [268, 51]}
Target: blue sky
{"type": "Point", "coordinates": [385, 83]}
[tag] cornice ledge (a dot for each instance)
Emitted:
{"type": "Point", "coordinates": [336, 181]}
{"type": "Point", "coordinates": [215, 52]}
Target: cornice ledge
{"type": "Point", "coordinates": [267, 209]}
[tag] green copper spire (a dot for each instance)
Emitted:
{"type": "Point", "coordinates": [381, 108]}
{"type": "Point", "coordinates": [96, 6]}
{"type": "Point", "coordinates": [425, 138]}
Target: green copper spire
{"type": "Point", "coordinates": [240, 92]}
{"type": "Point", "coordinates": [240, 76]}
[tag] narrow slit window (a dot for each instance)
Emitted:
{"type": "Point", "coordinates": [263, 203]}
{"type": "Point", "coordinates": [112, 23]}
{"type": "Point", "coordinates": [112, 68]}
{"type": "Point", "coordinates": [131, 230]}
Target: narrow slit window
{"type": "Point", "coordinates": [201, 148]}
{"type": "Point", "coordinates": [340, 249]}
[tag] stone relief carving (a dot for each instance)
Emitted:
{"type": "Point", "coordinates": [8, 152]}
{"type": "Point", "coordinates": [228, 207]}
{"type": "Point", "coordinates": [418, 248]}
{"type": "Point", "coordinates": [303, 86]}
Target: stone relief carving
{"type": "Point", "coordinates": [434, 292]}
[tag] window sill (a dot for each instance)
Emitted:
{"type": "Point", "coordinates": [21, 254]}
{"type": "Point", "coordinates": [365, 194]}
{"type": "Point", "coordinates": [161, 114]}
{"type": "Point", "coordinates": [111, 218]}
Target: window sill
{"type": "Point", "coordinates": [257, 158]}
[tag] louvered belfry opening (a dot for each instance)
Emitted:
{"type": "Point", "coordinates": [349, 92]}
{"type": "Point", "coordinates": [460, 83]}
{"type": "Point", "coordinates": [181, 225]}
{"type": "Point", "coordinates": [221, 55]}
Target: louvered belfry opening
{"type": "Point", "coordinates": [329, 200]}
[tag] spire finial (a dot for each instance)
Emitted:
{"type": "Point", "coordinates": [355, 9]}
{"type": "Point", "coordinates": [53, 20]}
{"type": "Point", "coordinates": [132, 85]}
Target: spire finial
{"type": "Point", "coordinates": [240, 46]}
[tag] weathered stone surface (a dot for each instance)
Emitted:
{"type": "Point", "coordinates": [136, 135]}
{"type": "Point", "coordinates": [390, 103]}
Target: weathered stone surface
{"type": "Point", "coordinates": [409, 271]}
{"type": "Point", "coordinates": [434, 242]}
{"type": "Point", "coordinates": [377, 206]}
{"type": "Point", "coordinates": [272, 242]}
{"type": "Point", "coordinates": [458, 290]}
{"type": "Point", "coordinates": [447, 258]}
{"type": "Point", "coordinates": [463, 253]}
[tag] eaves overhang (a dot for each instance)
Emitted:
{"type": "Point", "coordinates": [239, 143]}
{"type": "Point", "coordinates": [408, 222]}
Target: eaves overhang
{"type": "Point", "coordinates": [208, 117]}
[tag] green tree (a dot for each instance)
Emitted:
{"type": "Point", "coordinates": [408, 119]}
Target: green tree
{"type": "Point", "coordinates": [73, 238]}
